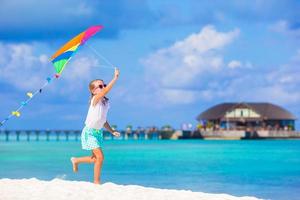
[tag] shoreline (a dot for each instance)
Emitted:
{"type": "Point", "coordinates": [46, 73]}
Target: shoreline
{"type": "Point", "coordinates": [65, 189]}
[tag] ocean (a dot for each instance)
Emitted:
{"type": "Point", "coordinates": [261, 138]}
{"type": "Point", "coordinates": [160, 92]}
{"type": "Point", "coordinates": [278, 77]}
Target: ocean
{"type": "Point", "coordinates": [268, 169]}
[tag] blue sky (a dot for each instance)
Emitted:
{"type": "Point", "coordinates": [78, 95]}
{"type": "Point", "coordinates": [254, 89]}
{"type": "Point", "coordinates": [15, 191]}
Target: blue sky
{"type": "Point", "coordinates": [177, 58]}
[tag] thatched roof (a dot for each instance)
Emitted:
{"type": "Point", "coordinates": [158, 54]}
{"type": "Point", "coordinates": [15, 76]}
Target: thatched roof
{"type": "Point", "coordinates": [266, 110]}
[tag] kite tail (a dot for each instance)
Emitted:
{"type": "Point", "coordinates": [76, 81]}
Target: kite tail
{"type": "Point", "coordinates": [59, 60]}
{"type": "Point", "coordinates": [30, 97]}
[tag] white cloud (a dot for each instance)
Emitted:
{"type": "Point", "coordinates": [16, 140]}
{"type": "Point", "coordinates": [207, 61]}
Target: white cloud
{"type": "Point", "coordinates": [77, 74]}
{"type": "Point", "coordinates": [234, 64]}
{"type": "Point", "coordinates": [186, 62]}
{"type": "Point", "coordinates": [279, 85]}
{"type": "Point", "coordinates": [193, 70]}
{"type": "Point", "coordinates": [21, 68]}
{"type": "Point", "coordinates": [276, 93]}
{"type": "Point", "coordinates": [207, 39]}
{"type": "Point", "coordinates": [283, 26]}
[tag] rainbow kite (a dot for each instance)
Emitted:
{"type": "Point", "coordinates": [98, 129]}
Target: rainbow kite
{"type": "Point", "coordinates": [59, 60]}
{"type": "Point", "coordinates": [64, 54]}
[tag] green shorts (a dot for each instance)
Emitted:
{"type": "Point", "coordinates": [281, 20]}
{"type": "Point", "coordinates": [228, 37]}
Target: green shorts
{"type": "Point", "coordinates": [91, 138]}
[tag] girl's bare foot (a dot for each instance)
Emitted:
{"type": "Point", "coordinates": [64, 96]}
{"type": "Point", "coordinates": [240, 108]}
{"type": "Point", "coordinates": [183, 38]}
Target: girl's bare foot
{"type": "Point", "coordinates": [75, 165]}
{"type": "Point", "coordinates": [97, 182]}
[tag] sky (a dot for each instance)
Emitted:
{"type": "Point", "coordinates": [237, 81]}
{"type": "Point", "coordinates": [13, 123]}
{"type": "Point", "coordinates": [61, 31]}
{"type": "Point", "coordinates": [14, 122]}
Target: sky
{"type": "Point", "coordinates": [176, 58]}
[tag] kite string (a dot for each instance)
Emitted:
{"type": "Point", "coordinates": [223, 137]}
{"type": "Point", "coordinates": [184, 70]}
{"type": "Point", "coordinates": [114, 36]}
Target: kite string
{"type": "Point", "coordinates": [103, 66]}
{"type": "Point", "coordinates": [101, 56]}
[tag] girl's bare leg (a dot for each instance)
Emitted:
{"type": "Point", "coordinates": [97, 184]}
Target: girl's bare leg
{"type": "Point", "coordinates": [99, 157]}
{"type": "Point", "coordinates": [85, 159]}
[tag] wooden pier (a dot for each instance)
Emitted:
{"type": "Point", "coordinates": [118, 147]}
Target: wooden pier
{"type": "Point", "coordinates": [74, 135]}
{"type": "Point", "coordinates": [69, 135]}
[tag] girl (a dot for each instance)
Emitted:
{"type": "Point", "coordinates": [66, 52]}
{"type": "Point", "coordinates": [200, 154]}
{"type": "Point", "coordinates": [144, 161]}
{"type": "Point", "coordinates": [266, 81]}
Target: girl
{"type": "Point", "coordinates": [92, 135]}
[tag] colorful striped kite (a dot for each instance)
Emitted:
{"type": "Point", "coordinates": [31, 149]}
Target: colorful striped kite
{"type": "Point", "coordinates": [64, 54]}
{"type": "Point", "coordinates": [59, 60]}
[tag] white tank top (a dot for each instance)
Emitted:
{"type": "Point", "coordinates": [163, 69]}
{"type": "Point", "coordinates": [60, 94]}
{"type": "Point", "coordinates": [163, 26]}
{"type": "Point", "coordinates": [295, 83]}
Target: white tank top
{"type": "Point", "coordinates": [96, 116]}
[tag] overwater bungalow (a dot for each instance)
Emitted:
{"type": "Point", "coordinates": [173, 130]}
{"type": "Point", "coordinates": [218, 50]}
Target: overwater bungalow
{"type": "Point", "coordinates": [264, 119]}
{"type": "Point", "coordinates": [241, 116]}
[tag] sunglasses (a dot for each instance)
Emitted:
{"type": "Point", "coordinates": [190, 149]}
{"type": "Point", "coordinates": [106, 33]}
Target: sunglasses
{"type": "Point", "coordinates": [102, 86]}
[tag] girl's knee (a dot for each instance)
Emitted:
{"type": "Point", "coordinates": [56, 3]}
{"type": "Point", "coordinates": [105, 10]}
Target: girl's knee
{"type": "Point", "coordinates": [98, 155]}
{"type": "Point", "coordinates": [93, 159]}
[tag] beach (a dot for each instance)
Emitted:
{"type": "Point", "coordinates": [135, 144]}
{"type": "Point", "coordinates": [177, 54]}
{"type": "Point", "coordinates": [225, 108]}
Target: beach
{"type": "Point", "coordinates": [58, 189]}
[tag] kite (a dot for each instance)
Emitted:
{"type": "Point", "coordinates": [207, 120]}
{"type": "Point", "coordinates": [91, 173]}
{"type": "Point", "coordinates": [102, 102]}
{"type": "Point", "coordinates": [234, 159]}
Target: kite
{"type": "Point", "coordinates": [65, 53]}
{"type": "Point", "coordinates": [60, 59]}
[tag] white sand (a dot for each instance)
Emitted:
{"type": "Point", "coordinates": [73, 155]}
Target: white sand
{"type": "Point", "coordinates": [62, 189]}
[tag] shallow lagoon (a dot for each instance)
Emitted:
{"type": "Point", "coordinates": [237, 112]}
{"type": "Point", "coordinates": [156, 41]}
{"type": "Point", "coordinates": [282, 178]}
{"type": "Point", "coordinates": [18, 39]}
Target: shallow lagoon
{"type": "Point", "coordinates": [265, 169]}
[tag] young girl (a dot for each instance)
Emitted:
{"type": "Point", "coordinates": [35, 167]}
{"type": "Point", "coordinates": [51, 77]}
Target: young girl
{"type": "Point", "coordinates": [92, 135]}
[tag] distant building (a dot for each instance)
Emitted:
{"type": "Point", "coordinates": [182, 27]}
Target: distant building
{"type": "Point", "coordinates": [247, 116]}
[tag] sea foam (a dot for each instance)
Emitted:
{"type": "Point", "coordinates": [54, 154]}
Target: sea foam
{"type": "Point", "coordinates": [57, 189]}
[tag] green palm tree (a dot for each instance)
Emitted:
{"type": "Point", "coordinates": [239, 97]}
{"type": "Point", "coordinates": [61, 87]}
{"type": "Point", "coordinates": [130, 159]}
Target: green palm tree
{"type": "Point", "coordinates": [129, 126]}
{"type": "Point", "coordinates": [114, 127]}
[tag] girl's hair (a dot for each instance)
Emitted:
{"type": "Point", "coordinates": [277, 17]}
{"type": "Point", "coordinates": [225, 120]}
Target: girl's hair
{"type": "Point", "coordinates": [92, 87]}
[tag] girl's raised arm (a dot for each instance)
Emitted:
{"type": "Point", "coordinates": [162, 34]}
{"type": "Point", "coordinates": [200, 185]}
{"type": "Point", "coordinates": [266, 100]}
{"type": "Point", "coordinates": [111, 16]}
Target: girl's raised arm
{"type": "Point", "coordinates": [105, 90]}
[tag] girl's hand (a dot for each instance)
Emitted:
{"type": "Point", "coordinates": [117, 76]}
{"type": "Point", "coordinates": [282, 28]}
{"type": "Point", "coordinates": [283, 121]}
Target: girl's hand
{"type": "Point", "coordinates": [117, 72]}
{"type": "Point", "coordinates": [116, 134]}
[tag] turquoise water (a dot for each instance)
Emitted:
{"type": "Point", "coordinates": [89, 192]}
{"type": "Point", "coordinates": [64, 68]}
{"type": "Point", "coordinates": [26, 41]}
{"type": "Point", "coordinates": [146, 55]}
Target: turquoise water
{"type": "Point", "coordinates": [267, 169]}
